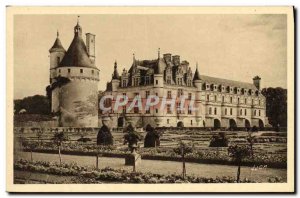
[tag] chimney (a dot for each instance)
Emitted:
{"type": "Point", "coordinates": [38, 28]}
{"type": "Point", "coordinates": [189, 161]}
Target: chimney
{"type": "Point", "coordinates": [256, 82]}
{"type": "Point", "coordinates": [167, 57]}
{"type": "Point", "coordinates": [176, 60]}
{"type": "Point", "coordinates": [90, 45]}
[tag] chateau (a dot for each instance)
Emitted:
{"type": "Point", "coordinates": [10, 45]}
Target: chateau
{"type": "Point", "coordinates": [75, 98]}
{"type": "Point", "coordinates": [219, 102]}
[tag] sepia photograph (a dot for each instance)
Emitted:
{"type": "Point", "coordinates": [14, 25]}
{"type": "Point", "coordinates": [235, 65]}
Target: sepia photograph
{"type": "Point", "coordinates": [150, 99]}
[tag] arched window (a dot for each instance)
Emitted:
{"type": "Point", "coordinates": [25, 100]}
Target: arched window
{"type": "Point", "coordinates": [230, 99]}
{"type": "Point", "coordinates": [258, 112]}
{"type": "Point", "coordinates": [245, 112]}
{"type": "Point", "coordinates": [230, 111]}
{"type": "Point", "coordinates": [245, 100]}
{"type": "Point", "coordinates": [215, 111]}
{"type": "Point", "coordinates": [209, 110]}
{"type": "Point", "coordinates": [226, 111]}
{"type": "Point", "coordinates": [81, 71]}
{"type": "Point", "coordinates": [238, 100]}
{"type": "Point", "coordinates": [215, 98]}
{"type": "Point", "coordinates": [241, 112]}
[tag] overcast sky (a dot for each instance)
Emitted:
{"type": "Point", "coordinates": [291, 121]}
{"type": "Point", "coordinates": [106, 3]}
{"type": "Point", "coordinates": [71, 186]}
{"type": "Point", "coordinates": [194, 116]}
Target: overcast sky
{"type": "Point", "coordinates": [235, 47]}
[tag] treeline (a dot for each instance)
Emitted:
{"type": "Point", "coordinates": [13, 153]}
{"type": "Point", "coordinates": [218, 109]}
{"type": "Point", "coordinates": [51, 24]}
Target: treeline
{"type": "Point", "coordinates": [36, 104]}
{"type": "Point", "coordinates": [276, 106]}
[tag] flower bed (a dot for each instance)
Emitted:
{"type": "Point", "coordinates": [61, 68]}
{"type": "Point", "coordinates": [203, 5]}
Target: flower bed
{"type": "Point", "coordinates": [209, 155]}
{"type": "Point", "coordinates": [90, 175]}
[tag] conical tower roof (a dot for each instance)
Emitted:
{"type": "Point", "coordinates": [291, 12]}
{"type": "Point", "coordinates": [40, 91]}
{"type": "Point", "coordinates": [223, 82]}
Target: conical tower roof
{"type": "Point", "coordinates": [57, 46]}
{"type": "Point", "coordinates": [196, 75]}
{"type": "Point", "coordinates": [77, 55]}
{"type": "Point", "coordinates": [116, 73]}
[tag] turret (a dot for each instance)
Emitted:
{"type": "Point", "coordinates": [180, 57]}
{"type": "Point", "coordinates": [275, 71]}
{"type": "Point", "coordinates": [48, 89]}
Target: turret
{"type": "Point", "coordinates": [256, 82]}
{"type": "Point", "coordinates": [57, 52]}
{"type": "Point", "coordinates": [197, 80]}
{"type": "Point", "coordinates": [115, 78]}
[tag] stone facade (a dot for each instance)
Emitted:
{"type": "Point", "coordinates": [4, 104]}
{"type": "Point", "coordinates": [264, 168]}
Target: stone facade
{"type": "Point", "coordinates": [219, 102]}
{"type": "Point", "coordinates": [73, 81]}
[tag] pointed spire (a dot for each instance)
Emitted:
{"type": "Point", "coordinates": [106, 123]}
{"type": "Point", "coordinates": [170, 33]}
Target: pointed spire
{"type": "Point", "coordinates": [78, 19]}
{"type": "Point", "coordinates": [77, 28]}
{"type": "Point", "coordinates": [115, 75]}
{"type": "Point", "coordinates": [158, 52]}
{"type": "Point", "coordinates": [197, 75]}
{"type": "Point", "coordinates": [57, 46]}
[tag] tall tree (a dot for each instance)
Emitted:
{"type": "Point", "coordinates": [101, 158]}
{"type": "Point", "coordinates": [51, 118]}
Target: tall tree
{"type": "Point", "coordinates": [276, 105]}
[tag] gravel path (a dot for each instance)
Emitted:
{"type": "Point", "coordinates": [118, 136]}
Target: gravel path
{"type": "Point", "coordinates": [164, 167]}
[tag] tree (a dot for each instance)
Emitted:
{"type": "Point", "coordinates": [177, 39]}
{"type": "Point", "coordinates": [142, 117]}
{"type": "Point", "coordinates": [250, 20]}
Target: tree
{"type": "Point", "coordinates": [238, 153]}
{"type": "Point", "coordinates": [104, 136]}
{"type": "Point", "coordinates": [58, 139]}
{"type": "Point", "coordinates": [219, 140]}
{"type": "Point", "coordinates": [36, 104]}
{"type": "Point", "coordinates": [276, 105]}
{"type": "Point", "coordinates": [182, 150]}
{"type": "Point", "coordinates": [131, 138]}
{"type": "Point", "coordinates": [152, 137]}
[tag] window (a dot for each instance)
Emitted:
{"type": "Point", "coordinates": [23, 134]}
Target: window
{"type": "Point", "coordinates": [254, 112]}
{"type": "Point", "coordinates": [92, 71]}
{"type": "Point", "coordinates": [124, 83]}
{"type": "Point", "coordinates": [168, 121]}
{"type": "Point", "coordinates": [168, 79]}
{"type": "Point", "coordinates": [258, 102]}
{"type": "Point", "coordinates": [241, 112]}
{"type": "Point", "coordinates": [207, 97]}
{"type": "Point", "coordinates": [81, 71]}
{"type": "Point", "coordinates": [230, 99]}
{"type": "Point", "coordinates": [230, 111]}
{"type": "Point", "coordinates": [169, 109]}
{"type": "Point", "coordinates": [252, 102]}
{"type": "Point", "coordinates": [169, 94]}
{"type": "Point", "coordinates": [245, 100]}
{"type": "Point", "coordinates": [215, 98]}
{"type": "Point", "coordinates": [147, 80]}
{"type": "Point", "coordinates": [189, 110]}
{"type": "Point", "coordinates": [190, 96]}
{"type": "Point", "coordinates": [180, 92]}
{"type": "Point", "coordinates": [147, 94]}
{"type": "Point", "coordinates": [191, 122]}
{"type": "Point", "coordinates": [223, 99]}
{"type": "Point", "coordinates": [238, 100]}
{"type": "Point", "coordinates": [215, 111]}
{"type": "Point", "coordinates": [148, 111]}
{"type": "Point", "coordinates": [69, 70]}
{"type": "Point", "coordinates": [156, 82]}
{"type": "Point", "coordinates": [178, 108]}
{"type": "Point", "coordinates": [156, 110]}
{"type": "Point", "coordinates": [209, 110]}
{"type": "Point", "coordinates": [156, 94]}
{"type": "Point", "coordinates": [245, 112]}
{"type": "Point", "coordinates": [226, 111]}
{"type": "Point", "coordinates": [258, 112]}
{"type": "Point", "coordinates": [59, 71]}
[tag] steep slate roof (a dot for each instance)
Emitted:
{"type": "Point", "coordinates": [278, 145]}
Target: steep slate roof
{"type": "Point", "coordinates": [196, 75]}
{"type": "Point", "coordinates": [57, 46]}
{"type": "Point", "coordinates": [77, 55]}
{"type": "Point", "coordinates": [220, 81]}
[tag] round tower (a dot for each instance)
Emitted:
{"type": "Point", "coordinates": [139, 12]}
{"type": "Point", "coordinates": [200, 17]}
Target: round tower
{"type": "Point", "coordinates": [75, 85]}
{"type": "Point", "coordinates": [198, 84]}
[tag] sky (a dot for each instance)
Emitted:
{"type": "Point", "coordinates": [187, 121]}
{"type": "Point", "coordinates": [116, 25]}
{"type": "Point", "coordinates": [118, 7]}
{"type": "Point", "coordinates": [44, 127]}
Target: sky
{"type": "Point", "coordinates": [236, 47]}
